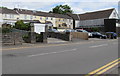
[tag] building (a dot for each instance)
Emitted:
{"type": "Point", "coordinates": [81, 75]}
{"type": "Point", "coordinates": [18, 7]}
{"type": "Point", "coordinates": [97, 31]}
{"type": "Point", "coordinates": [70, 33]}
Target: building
{"type": "Point", "coordinates": [75, 19]}
{"type": "Point", "coordinates": [8, 16]}
{"type": "Point", "coordinates": [24, 14]}
{"type": "Point", "coordinates": [44, 17]}
{"type": "Point", "coordinates": [105, 20]}
{"type": "Point", "coordinates": [63, 22]}
{"type": "Point", "coordinates": [57, 21]}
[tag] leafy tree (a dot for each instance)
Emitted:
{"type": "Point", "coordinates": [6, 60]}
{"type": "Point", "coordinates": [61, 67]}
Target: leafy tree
{"type": "Point", "coordinates": [3, 7]}
{"type": "Point", "coordinates": [62, 9]}
{"type": "Point", "coordinates": [22, 26]}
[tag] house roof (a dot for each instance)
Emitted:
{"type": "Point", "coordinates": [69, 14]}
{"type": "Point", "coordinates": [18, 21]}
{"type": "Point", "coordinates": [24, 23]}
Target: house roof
{"type": "Point", "coordinates": [7, 11]}
{"type": "Point", "coordinates": [45, 14]}
{"type": "Point", "coordinates": [39, 13]}
{"type": "Point", "coordinates": [62, 16]}
{"type": "Point", "coordinates": [23, 11]}
{"type": "Point", "coordinates": [96, 14]}
{"type": "Point", "coordinates": [74, 16]}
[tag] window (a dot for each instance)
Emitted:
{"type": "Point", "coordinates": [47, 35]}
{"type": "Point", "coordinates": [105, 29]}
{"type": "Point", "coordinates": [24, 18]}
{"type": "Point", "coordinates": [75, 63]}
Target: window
{"type": "Point", "coordinates": [41, 18]}
{"type": "Point", "coordinates": [59, 19]}
{"type": "Point", "coordinates": [59, 25]}
{"type": "Point", "coordinates": [25, 17]}
{"type": "Point", "coordinates": [114, 14]}
{"type": "Point", "coordinates": [11, 16]}
{"type": "Point", "coordinates": [17, 18]}
{"type": "Point", "coordinates": [46, 18]}
{"type": "Point", "coordinates": [31, 17]}
{"type": "Point", "coordinates": [5, 16]}
{"type": "Point", "coordinates": [51, 18]}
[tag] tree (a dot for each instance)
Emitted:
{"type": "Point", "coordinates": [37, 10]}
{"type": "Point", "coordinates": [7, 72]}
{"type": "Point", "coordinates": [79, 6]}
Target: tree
{"type": "Point", "coordinates": [62, 9]}
{"type": "Point", "coordinates": [22, 26]}
{"type": "Point", "coordinates": [3, 7]}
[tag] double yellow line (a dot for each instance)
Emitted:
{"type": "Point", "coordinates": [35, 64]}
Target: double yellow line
{"type": "Point", "coordinates": [104, 68]}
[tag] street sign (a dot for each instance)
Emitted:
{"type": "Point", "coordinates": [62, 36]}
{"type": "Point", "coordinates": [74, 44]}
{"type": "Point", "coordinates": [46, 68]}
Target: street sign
{"type": "Point", "coordinates": [38, 27]}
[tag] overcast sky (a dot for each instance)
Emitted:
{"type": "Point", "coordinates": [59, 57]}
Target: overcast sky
{"type": "Point", "coordinates": [78, 6]}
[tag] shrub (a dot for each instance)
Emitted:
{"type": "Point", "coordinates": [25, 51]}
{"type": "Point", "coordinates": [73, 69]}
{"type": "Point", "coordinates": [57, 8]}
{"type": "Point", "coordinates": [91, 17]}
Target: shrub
{"type": "Point", "coordinates": [22, 26]}
{"type": "Point", "coordinates": [26, 38]}
{"type": "Point", "coordinates": [39, 38]}
{"type": "Point", "coordinates": [118, 34]}
{"type": "Point", "coordinates": [6, 30]}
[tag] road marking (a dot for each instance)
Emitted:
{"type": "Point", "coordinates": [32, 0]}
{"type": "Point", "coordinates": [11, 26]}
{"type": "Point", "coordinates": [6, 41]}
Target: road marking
{"type": "Point", "coordinates": [103, 67]}
{"type": "Point", "coordinates": [52, 53]}
{"type": "Point", "coordinates": [98, 45]}
{"type": "Point", "coordinates": [103, 71]}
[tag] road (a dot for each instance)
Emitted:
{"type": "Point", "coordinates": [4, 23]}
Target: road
{"type": "Point", "coordinates": [69, 58]}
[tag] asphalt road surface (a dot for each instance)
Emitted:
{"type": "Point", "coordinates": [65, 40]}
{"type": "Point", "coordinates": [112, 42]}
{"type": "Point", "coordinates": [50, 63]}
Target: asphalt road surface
{"type": "Point", "coordinates": [69, 58]}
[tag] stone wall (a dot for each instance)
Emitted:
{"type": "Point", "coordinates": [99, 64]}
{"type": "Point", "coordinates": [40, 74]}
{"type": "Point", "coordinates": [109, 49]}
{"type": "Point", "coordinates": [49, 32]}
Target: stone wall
{"type": "Point", "coordinates": [13, 38]}
{"type": "Point", "coordinates": [62, 36]}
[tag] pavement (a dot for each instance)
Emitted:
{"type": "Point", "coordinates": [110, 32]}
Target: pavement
{"type": "Point", "coordinates": [55, 40]}
{"type": "Point", "coordinates": [81, 57]}
{"type": "Point", "coordinates": [51, 41]}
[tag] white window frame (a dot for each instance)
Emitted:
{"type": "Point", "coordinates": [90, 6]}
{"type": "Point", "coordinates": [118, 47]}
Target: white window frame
{"type": "Point", "coordinates": [40, 18]}
{"type": "Point", "coordinates": [51, 18]}
{"type": "Point", "coordinates": [11, 16]}
{"type": "Point", "coordinates": [31, 17]}
{"type": "Point", "coordinates": [25, 17]}
{"type": "Point", "coordinates": [5, 15]}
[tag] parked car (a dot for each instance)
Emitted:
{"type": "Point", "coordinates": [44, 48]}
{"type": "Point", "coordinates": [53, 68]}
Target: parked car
{"type": "Point", "coordinates": [111, 35]}
{"type": "Point", "coordinates": [89, 34]}
{"type": "Point", "coordinates": [69, 30]}
{"type": "Point", "coordinates": [98, 35]}
{"type": "Point", "coordinates": [52, 30]}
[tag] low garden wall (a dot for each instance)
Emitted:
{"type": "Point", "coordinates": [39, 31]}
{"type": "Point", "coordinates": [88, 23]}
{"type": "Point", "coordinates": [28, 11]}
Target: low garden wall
{"type": "Point", "coordinates": [62, 36]}
{"type": "Point", "coordinates": [80, 35]}
{"type": "Point", "coordinates": [68, 36]}
{"type": "Point", "coordinates": [13, 38]}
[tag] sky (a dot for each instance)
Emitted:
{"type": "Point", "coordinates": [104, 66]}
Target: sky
{"type": "Point", "coordinates": [78, 6]}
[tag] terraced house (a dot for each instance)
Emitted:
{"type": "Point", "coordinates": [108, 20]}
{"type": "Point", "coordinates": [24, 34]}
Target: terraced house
{"type": "Point", "coordinates": [58, 21]}
{"type": "Point", "coordinates": [8, 16]}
